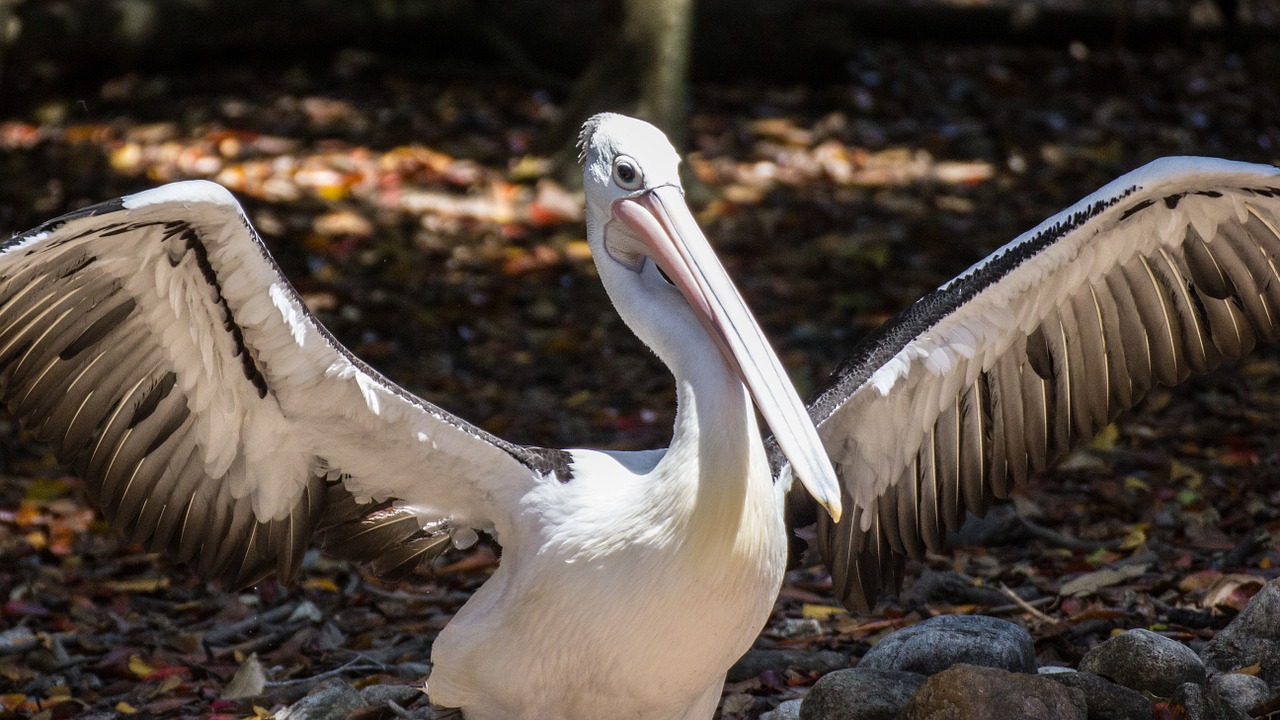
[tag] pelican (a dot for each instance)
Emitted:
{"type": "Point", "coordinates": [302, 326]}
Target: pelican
{"type": "Point", "coordinates": [155, 344]}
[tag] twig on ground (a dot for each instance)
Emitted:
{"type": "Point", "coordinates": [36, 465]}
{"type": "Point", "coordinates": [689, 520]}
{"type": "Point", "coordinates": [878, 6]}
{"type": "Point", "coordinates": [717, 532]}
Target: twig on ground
{"type": "Point", "coordinates": [348, 667]}
{"type": "Point", "coordinates": [1026, 606]}
{"type": "Point", "coordinates": [1053, 537]}
{"type": "Point", "coordinates": [226, 632]}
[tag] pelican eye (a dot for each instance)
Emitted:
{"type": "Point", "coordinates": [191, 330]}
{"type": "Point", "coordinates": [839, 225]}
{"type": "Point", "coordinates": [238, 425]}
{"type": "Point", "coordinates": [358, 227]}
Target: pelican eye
{"type": "Point", "coordinates": [626, 173]}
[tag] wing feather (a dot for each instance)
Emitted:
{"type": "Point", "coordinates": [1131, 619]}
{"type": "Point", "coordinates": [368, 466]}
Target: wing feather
{"type": "Point", "coordinates": [154, 342]}
{"type": "Point", "coordinates": [1158, 275]}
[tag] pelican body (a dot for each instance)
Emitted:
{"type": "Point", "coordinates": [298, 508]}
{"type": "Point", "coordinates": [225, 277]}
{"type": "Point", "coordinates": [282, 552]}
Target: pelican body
{"type": "Point", "coordinates": [155, 344]}
{"type": "Point", "coordinates": [629, 590]}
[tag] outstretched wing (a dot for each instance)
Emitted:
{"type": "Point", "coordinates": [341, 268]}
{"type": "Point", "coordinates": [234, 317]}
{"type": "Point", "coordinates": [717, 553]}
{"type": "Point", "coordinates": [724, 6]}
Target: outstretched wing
{"type": "Point", "coordinates": [155, 344]}
{"type": "Point", "coordinates": [1158, 275]}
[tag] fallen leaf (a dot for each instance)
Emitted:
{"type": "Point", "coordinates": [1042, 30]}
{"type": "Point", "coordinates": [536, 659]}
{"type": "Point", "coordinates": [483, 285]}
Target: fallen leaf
{"type": "Point", "coordinates": [1232, 591]}
{"type": "Point", "coordinates": [249, 680]}
{"type": "Point", "coordinates": [1091, 582]}
{"type": "Point", "coordinates": [137, 585]}
{"type": "Point", "coordinates": [320, 583]}
{"type": "Point", "coordinates": [140, 667]}
{"type": "Point", "coordinates": [821, 612]}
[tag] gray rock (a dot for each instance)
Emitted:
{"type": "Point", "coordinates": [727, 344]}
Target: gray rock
{"type": "Point", "coordinates": [940, 642]}
{"type": "Point", "coordinates": [1104, 699]}
{"type": "Point", "coordinates": [399, 694]}
{"type": "Point", "coordinates": [1000, 526]}
{"type": "Point", "coordinates": [757, 661]}
{"type": "Point", "coordinates": [969, 691]}
{"type": "Point", "coordinates": [1201, 703]}
{"type": "Point", "coordinates": [789, 710]}
{"type": "Point", "coordinates": [948, 587]}
{"type": "Point", "coordinates": [417, 670]}
{"type": "Point", "coordinates": [1244, 692]}
{"type": "Point", "coordinates": [1145, 661]}
{"type": "Point", "coordinates": [330, 700]}
{"type": "Point", "coordinates": [1252, 637]}
{"type": "Point", "coordinates": [860, 694]}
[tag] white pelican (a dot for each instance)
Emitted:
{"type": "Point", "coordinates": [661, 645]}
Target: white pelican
{"type": "Point", "coordinates": [155, 344]}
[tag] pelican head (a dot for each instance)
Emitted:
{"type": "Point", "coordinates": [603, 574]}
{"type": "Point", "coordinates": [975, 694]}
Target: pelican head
{"type": "Point", "coordinates": [667, 283]}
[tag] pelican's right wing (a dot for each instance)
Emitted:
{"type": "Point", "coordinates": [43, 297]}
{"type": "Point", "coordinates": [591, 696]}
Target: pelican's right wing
{"type": "Point", "coordinates": [1158, 275]}
{"type": "Point", "coordinates": [155, 344]}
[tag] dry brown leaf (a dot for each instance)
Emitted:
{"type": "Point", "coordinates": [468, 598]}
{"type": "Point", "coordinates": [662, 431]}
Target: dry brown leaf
{"type": "Point", "coordinates": [249, 681]}
{"type": "Point", "coordinates": [1090, 583]}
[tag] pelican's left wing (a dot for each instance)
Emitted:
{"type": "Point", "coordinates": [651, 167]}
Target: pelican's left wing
{"type": "Point", "coordinates": [155, 344]}
{"type": "Point", "coordinates": [1158, 275]}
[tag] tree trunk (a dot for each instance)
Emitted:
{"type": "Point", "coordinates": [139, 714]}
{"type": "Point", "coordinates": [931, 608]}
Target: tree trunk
{"type": "Point", "coordinates": [661, 31]}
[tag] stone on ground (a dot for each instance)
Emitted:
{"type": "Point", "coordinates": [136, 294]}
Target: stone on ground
{"type": "Point", "coordinates": [1253, 637]}
{"type": "Point", "coordinates": [1244, 692]}
{"type": "Point", "coordinates": [860, 694]}
{"type": "Point", "coordinates": [938, 643]}
{"type": "Point", "coordinates": [789, 710]}
{"type": "Point", "coordinates": [330, 700]}
{"type": "Point", "coordinates": [969, 691]}
{"type": "Point", "coordinates": [1106, 700]}
{"type": "Point", "coordinates": [1201, 703]}
{"type": "Point", "coordinates": [758, 660]}
{"type": "Point", "coordinates": [1146, 662]}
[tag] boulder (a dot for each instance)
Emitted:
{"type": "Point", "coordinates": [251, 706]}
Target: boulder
{"type": "Point", "coordinates": [1105, 700]}
{"type": "Point", "coordinates": [938, 643]}
{"type": "Point", "coordinates": [1146, 662]}
{"type": "Point", "coordinates": [969, 691]}
{"type": "Point", "coordinates": [860, 694]}
{"type": "Point", "coordinates": [789, 710]}
{"type": "Point", "coordinates": [758, 660]}
{"type": "Point", "coordinates": [330, 700]}
{"type": "Point", "coordinates": [1253, 637]}
{"type": "Point", "coordinates": [1201, 703]}
{"type": "Point", "coordinates": [1244, 692]}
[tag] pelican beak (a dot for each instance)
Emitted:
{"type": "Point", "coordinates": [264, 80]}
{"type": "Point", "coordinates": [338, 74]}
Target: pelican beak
{"type": "Point", "coordinates": [660, 220]}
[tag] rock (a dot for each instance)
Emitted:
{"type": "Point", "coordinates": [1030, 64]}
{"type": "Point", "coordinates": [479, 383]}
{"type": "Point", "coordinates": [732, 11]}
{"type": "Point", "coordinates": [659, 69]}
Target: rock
{"type": "Point", "coordinates": [1105, 700]}
{"type": "Point", "coordinates": [1244, 692]}
{"type": "Point", "coordinates": [799, 627]}
{"type": "Point", "coordinates": [330, 700]}
{"type": "Point", "coordinates": [757, 661]}
{"type": "Point", "coordinates": [940, 642]}
{"type": "Point", "coordinates": [1000, 526]}
{"type": "Point", "coordinates": [401, 695]}
{"type": "Point", "coordinates": [1145, 661]}
{"type": "Point", "coordinates": [970, 691]}
{"type": "Point", "coordinates": [860, 694]}
{"type": "Point", "coordinates": [1252, 637]}
{"type": "Point", "coordinates": [411, 669]}
{"type": "Point", "coordinates": [948, 587]}
{"type": "Point", "coordinates": [789, 710]}
{"type": "Point", "coordinates": [1201, 703]}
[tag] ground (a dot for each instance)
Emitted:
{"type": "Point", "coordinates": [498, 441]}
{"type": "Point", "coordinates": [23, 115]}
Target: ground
{"type": "Point", "coordinates": [417, 224]}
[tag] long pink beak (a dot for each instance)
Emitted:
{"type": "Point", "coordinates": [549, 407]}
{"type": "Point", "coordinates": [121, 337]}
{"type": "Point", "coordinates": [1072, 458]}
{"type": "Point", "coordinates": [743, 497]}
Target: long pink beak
{"type": "Point", "coordinates": [661, 220]}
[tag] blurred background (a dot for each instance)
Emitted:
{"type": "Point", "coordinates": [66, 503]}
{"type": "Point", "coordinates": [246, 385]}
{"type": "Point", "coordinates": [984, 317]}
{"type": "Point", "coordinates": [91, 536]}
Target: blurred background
{"type": "Point", "coordinates": [411, 164]}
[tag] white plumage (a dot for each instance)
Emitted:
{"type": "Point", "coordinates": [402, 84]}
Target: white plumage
{"type": "Point", "coordinates": [156, 345]}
